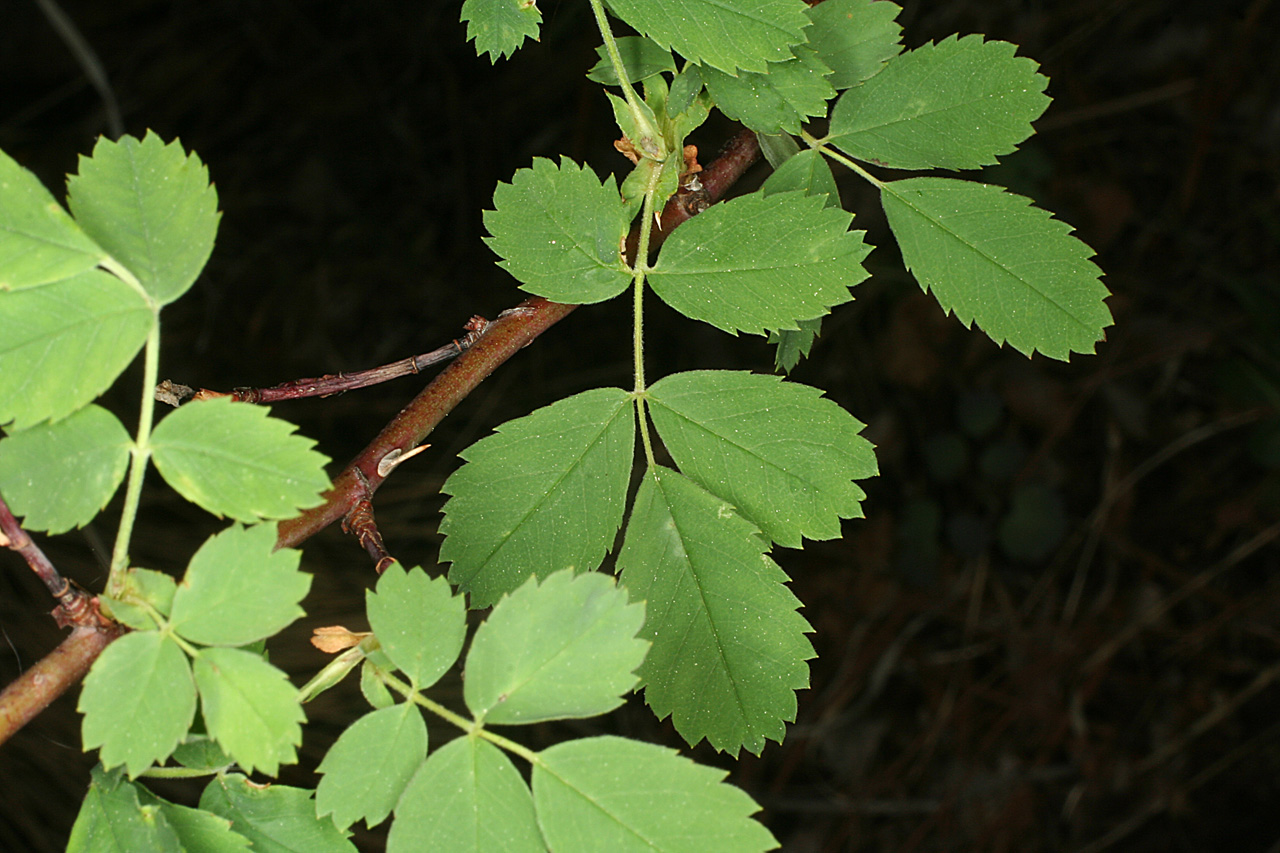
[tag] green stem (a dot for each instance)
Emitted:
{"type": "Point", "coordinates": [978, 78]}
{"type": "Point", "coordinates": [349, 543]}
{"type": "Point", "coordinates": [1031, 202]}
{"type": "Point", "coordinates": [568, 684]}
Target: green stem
{"type": "Point", "coordinates": [833, 154]}
{"type": "Point", "coordinates": [638, 113]}
{"type": "Point", "coordinates": [471, 727]}
{"type": "Point", "coordinates": [141, 454]}
{"type": "Point", "coordinates": [637, 342]}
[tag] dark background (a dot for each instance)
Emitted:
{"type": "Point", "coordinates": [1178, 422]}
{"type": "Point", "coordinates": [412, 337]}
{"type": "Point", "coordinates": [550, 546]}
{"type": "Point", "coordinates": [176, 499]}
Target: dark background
{"type": "Point", "coordinates": [1056, 629]}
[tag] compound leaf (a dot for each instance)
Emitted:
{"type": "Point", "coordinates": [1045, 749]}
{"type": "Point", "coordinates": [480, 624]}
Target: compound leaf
{"type": "Point", "coordinates": [545, 492]}
{"type": "Point", "coordinates": [565, 648]}
{"type": "Point", "coordinates": [559, 231]}
{"type": "Point", "coordinates": [759, 263]}
{"type": "Point", "coordinates": [993, 258]}
{"type": "Point", "coordinates": [610, 793]}
{"type": "Point", "coordinates": [954, 105]}
{"type": "Point", "coordinates": [234, 459]}
{"type": "Point", "coordinates": [250, 709]}
{"type": "Point", "coordinates": [238, 588]}
{"type": "Point", "coordinates": [418, 620]}
{"type": "Point", "coordinates": [499, 27]}
{"type": "Point", "coordinates": [784, 456]}
{"type": "Point", "coordinates": [113, 820]}
{"type": "Point", "coordinates": [63, 344]}
{"type": "Point", "coordinates": [138, 701]}
{"type": "Point", "coordinates": [275, 818]}
{"type": "Point", "coordinates": [151, 206]}
{"type": "Point", "coordinates": [467, 798]}
{"type": "Point", "coordinates": [81, 461]}
{"type": "Point", "coordinates": [729, 649]}
{"type": "Point", "coordinates": [39, 242]}
{"type": "Point", "coordinates": [855, 38]}
{"type": "Point", "coordinates": [780, 99]}
{"type": "Point", "coordinates": [368, 767]}
{"type": "Point", "coordinates": [744, 34]}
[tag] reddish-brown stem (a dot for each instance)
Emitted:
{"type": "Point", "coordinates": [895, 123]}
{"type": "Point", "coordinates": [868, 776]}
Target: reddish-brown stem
{"type": "Point", "coordinates": [75, 605]}
{"type": "Point", "coordinates": [34, 690]}
{"type": "Point", "coordinates": [504, 337]}
{"type": "Point", "coordinates": [331, 383]}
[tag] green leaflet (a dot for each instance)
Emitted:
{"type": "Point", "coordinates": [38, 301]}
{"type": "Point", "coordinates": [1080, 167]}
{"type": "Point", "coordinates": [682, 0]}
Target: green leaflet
{"type": "Point", "coordinates": [467, 798]}
{"type": "Point", "coordinates": [640, 57]}
{"type": "Point", "coordinates": [854, 38]}
{"type": "Point", "coordinates": [993, 258]}
{"type": "Point", "coordinates": [112, 820]}
{"type": "Point", "coordinates": [784, 96]}
{"type": "Point", "coordinates": [564, 649]}
{"type": "Point", "coordinates": [80, 462]}
{"type": "Point", "coordinates": [151, 206]}
{"type": "Point", "coordinates": [778, 148]}
{"type": "Point", "coordinates": [202, 831]}
{"type": "Point", "coordinates": [744, 34]}
{"type": "Point", "coordinates": [499, 27]}
{"type": "Point", "coordinates": [368, 767]}
{"type": "Point", "coordinates": [63, 344]}
{"type": "Point", "coordinates": [808, 172]}
{"type": "Point", "coordinates": [783, 456]}
{"type": "Point", "coordinates": [545, 492]}
{"type": "Point", "coordinates": [954, 105]}
{"type": "Point", "coordinates": [39, 242]}
{"type": "Point", "coordinates": [196, 830]}
{"type": "Point", "coordinates": [250, 708]}
{"type": "Point", "coordinates": [238, 588]}
{"type": "Point", "coordinates": [758, 263]}
{"type": "Point", "coordinates": [559, 231]}
{"type": "Point", "coordinates": [371, 687]}
{"type": "Point", "coordinates": [805, 171]}
{"type": "Point", "coordinates": [202, 753]}
{"type": "Point", "coordinates": [610, 793]}
{"type": "Point", "coordinates": [729, 649]}
{"type": "Point", "coordinates": [794, 344]}
{"type": "Point", "coordinates": [234, 459]}
{"type": "Point", "coordinates": [156, 589]}
{"type": "Point", "coordinates": [419, 622]}
{"type": "Point", "coordinates": [138, 701]}
{"type": "Point", "coordinates": [276, 818]}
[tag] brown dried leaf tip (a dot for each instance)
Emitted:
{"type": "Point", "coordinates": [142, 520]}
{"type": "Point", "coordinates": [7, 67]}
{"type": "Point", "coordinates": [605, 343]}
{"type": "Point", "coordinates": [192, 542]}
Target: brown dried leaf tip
{"type": "Point", "coordinates": [335, 638]}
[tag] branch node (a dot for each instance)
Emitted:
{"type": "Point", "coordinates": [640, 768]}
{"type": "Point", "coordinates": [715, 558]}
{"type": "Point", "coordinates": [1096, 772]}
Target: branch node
{"type": "Point", "coordinates": [359, 522]}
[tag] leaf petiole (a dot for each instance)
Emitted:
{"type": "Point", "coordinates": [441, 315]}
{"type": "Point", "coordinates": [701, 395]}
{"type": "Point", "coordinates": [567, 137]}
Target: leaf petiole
{"type": "Point", "coordinates": [140, 454]}
{"type": "Point", "coordinates": [471, 727]}
{"type": "Point", "coordinates": [821, 146]}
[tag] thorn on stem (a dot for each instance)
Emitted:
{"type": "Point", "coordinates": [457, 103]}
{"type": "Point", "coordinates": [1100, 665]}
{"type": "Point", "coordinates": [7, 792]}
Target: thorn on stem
{"type": "Point", "coordinates": [397, 457]}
